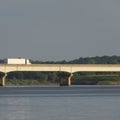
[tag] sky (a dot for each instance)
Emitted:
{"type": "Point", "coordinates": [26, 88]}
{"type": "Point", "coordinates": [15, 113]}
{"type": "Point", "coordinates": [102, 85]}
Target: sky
{"type": "Point", "coordinates": [55, 30]}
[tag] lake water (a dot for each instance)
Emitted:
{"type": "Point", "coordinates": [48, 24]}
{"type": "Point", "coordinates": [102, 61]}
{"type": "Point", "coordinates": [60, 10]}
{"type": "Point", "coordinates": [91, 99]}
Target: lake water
{"type": "Point", "coordinates": [60, 103]}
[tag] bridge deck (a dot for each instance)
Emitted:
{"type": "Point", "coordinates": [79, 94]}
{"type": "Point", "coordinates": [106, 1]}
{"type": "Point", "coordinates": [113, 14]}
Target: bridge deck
{"type": "Point", "coordinates": [71, 68]}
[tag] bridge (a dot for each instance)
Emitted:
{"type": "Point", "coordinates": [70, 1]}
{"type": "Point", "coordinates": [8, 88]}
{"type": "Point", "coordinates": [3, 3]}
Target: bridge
{"type": "Point", "coordinates": [70, 68]}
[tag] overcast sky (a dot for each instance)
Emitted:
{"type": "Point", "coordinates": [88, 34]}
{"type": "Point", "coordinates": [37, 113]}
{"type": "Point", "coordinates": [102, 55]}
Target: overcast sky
{"type": "Point", "coordinates": [59, 29]}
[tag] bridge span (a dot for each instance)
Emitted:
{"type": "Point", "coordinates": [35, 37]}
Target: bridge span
{"type": "Point", "coordinates": [70, 68]}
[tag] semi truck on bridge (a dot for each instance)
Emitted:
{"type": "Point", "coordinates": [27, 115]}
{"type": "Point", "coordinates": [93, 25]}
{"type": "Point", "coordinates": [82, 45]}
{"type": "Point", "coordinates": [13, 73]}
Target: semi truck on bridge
{"type": "Point", "coordinates": [16, 61]}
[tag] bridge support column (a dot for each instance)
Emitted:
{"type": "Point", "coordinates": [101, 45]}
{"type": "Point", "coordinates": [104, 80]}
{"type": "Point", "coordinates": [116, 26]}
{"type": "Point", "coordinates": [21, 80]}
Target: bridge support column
{"type": "Point", "coordinates": [3, 79]}
{"type": "Point", "coordinates": [69, 79]}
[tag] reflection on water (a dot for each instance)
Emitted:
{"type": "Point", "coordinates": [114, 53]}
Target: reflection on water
{"type": "Point", "coordinates": [32, 107]}
{"type": "Point", "coordinates": [64, 108]}
{"type": "Point", "coordinates": [14, 108]}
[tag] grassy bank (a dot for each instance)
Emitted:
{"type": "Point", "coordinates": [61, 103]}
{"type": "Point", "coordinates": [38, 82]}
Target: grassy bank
{"type": "Point", "coordinates": [28, 82]}
{"type": "Point", "coordinates": [111, 82]}
{"type": "Point", "coordinates": [98, 80]}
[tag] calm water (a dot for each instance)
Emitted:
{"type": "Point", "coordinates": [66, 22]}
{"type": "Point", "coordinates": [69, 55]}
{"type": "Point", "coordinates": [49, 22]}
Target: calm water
{"type": "Point", "coordinates": [60, 103]}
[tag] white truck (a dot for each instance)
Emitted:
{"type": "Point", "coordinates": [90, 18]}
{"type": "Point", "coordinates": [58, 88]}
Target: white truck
{"type": "Point", "coordinates": [16, 61]}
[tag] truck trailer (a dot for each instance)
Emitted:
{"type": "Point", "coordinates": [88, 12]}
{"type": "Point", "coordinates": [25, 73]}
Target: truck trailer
{"type": "Point", "coordinates": [16, 61]}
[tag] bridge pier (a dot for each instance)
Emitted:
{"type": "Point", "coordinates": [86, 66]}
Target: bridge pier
{"type": "Point", "coordinates": [66, 82]}
{"type": "Point", "coordinates": [3, 79]}
{"type": "Point", "coordinates": [69, 80]}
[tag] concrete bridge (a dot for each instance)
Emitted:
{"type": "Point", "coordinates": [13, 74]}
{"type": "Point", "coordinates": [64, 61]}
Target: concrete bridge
{"type": "Point", "coordinates": [70, 68]}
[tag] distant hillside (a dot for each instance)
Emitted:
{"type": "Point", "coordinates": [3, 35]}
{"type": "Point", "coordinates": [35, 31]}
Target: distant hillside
{"type": "Point", "coordinates": [82, 60]}
{"type": "Point", "coordinates": [98, 60]}
{"type": "Point", "coordinates": [86, 60]}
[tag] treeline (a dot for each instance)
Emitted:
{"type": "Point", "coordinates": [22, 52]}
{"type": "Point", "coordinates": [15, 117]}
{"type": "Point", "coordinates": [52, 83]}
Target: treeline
{"type": "Point", "coordinates": [55, 77]}
{"type": "Point", "coordinates": [86, 60]}
{"type": "Point", "coordinates": [97, 60]}
{"type": "Point", "coordinates": [81, 60]}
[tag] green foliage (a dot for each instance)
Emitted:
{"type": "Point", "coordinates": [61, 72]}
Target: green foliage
{"type": "Point", "coordinates": [97, 60]}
